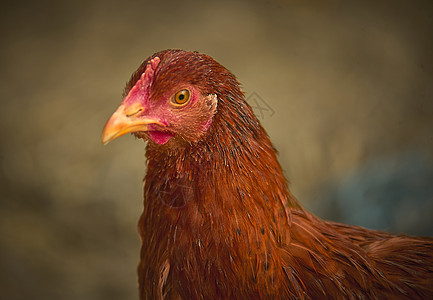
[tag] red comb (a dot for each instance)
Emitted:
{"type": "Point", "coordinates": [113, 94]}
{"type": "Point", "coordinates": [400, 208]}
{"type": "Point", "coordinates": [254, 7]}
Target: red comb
{"type": "Point", "coordinates": [142, 88]}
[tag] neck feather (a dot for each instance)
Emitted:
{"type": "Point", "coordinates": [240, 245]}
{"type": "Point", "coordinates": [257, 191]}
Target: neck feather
{"type": "Point", "coordinates": [233, 170]}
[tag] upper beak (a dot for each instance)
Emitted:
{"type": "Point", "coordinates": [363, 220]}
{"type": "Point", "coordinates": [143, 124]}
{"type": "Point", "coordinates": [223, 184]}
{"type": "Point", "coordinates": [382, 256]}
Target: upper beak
{"type": "Point", "coordinates": [125, 120]}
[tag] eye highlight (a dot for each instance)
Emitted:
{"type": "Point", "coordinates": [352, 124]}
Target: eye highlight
{"type": "Point", "coordinates": [181, 97]}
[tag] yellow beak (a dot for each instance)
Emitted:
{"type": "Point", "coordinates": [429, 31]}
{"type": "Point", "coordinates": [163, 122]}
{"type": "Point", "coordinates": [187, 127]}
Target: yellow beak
{"type": "Point", "coordinates": [125, 120]}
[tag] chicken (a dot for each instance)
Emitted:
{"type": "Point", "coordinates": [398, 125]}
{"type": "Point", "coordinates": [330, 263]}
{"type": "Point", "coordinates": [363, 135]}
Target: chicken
{"type": "Point", "coordinates": [219, 221]}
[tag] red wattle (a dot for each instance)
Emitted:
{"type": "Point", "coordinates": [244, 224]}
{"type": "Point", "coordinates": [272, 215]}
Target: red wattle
{"type": "Point", "coordinates": [160, 137]}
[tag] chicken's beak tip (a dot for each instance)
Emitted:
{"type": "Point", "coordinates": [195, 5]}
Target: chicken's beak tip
{"type": "Point", "coordinates": [107, 138]}
{"type": "Point", "coordinates": [108, 134]}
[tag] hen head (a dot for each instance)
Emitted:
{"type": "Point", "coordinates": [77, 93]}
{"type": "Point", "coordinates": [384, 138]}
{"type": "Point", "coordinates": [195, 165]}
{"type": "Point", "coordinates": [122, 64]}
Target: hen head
{"type": "Point", "coordinates": [172, 99]}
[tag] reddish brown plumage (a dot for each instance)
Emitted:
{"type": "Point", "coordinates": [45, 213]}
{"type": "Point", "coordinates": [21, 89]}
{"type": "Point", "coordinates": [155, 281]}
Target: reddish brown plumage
{"type": "Point", "coordinates": [219, 221]}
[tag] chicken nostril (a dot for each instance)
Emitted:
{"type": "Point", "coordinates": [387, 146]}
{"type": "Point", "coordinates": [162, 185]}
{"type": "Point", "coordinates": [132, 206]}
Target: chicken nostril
{"type": "Point", "coordinates": [130, 114]}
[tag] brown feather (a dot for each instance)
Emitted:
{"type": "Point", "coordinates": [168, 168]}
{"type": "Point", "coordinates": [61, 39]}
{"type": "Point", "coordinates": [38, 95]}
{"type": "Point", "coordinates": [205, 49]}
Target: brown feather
{"type": "Point", "coordinates": [220, 223]}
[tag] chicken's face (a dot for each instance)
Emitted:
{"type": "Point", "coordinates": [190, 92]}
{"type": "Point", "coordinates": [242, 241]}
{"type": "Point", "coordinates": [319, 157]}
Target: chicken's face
{"type": "Point", "coordinates": [164, 105]}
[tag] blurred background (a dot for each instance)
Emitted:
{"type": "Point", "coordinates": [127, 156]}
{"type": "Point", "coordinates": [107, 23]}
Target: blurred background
{"type": "Point", "coordinates": [345, 90]}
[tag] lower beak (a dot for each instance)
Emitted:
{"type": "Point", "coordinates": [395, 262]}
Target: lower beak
{"type": "Point", "coordinates": [125, 120]}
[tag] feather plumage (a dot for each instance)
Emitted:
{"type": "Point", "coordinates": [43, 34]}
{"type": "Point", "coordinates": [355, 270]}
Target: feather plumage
{"type": "Point", "coordinates": [219, 221]}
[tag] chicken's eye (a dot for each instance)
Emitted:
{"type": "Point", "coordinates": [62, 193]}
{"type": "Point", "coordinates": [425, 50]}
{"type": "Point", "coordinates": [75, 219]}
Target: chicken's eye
{"type": "Point", "coordinates": [181, 97]}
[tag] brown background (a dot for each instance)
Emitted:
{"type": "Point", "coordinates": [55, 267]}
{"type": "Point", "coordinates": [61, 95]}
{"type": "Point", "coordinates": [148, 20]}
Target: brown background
{"type": "Point", "coordinates": [350, 85]}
